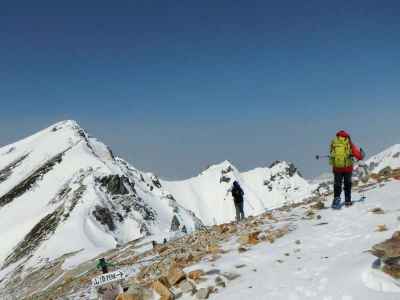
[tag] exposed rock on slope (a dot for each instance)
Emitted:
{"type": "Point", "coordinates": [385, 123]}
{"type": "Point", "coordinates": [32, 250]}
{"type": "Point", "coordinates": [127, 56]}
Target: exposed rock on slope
{"type": "Point", "coordinates": [62, 191]}
{"type": "Point", "coordinates": [207, 195]}
{"type": "Point", "coordinates": [389, 254]}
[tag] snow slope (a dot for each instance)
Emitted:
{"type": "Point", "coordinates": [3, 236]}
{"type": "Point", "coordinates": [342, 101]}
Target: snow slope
{"type": "Point", "coordinates": [279, 184]}
{"type": "Point", "coordinates": [63, 191]}
{"type": "Point", "coordinates": [320, 256]}
{"type": "Point", "coordinates": [321, 259]}
{"type": "Point", "coordinates": [388, 158]}
{"type": "Point", "coordinates": [207, 195]}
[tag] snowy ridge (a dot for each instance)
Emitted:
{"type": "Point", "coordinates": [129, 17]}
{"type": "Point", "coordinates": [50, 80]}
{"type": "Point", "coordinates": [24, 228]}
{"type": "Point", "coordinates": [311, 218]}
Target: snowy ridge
{"type": "Point", "coordinates": [65, 199]}
{"type": "Point", "coordinates": [62, 183]}
{"type": "Point", "coordinates": [208, 197]}
{"type": "Point", "coordinates": [388, 158]}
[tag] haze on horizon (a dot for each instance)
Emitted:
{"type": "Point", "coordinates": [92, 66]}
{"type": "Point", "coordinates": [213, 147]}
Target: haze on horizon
{"type": "Point", "coordinates": [173, 87]}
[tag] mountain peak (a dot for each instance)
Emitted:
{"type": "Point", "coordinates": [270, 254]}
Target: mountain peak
{"type": "Point", "coordinates": [284, 166]}
{"type": "Point", "coordinates": [387, 158]}
{"type": "Point", "coordinates": [224, 165]}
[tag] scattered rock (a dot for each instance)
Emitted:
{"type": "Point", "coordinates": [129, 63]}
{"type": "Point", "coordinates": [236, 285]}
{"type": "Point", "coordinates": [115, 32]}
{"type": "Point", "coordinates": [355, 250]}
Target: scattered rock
{"type": "Point", "coordinates": [377, 211]}
{"type": "Point", "coordinates": [388, 249]}
{"type": "Point", "coordinates": [230, 276]}
{"type": "Point", "coordinates": [381, 227]}
{"type": "Point", "coordinates": [213, 249]}
{"type": "Point", "coordinates": [213, 272]}
{"type": "Point", "coordinates": [109, 291]}
{"type": "Point", "coordinates": [242, 249]}
{"type": "Point", "coordinates": [310, 213]}
{"type": "Point", "coordinates": [385, 172]}
{"type": "Point", "coordinates": [240, 266]}
{"type": "Point", "coordinates": [203, 293]}
{"type": "Point", "coordinates": [135, 292]}
{"type": "Point", "coordinates": [164, 281]}
{"type": "Point", "coordinates": [322, 223]}
{"type": "Point", "coordinates": [220, 282]}
{"type": "Point", "coordinates": [389, 254]}
{"type": "Point", "coordinates": [141, 293]}
{"type": "Point", "coordinates": [318, 205]}
{"type": "Point", "coordinates": [196, 274]}
{"type": "Point", "coordinates": [162, 290]}
{"type": "Point", "coordinates": [175, 275]}
{"type": "Point", "coordinates": [187, 287]}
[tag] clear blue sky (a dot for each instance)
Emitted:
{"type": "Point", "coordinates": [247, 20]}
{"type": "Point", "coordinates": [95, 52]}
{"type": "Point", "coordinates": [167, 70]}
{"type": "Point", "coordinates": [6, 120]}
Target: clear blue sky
{"type": "Point", "coordinates": [175, 85]}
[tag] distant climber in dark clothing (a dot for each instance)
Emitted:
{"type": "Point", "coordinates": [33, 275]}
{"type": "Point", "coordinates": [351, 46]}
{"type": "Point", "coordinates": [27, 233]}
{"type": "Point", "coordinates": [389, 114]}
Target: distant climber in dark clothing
{"type": "Point", "coordinates": [237, 194]}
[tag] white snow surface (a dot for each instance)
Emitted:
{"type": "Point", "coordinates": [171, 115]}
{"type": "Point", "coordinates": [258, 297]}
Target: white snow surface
{"type": "Point", "coordinates": [330, 263]}
{"type": "Point", "coordinates": [388, 158]}
{"type": "Point", "coordinates": [83, 161]}
{"type": "Point", "coordinates": [208, 196]}
{"type": "Point", "coordinates": [331, 260]}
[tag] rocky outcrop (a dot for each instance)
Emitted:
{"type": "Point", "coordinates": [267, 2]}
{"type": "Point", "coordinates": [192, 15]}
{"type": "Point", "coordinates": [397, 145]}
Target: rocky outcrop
{"type": "Point", "coordinates": [388, 252]}
{"type": "Point", "coordinates": [116, 185]}
{"type": "Point", "coordinates": [290, 169]}
{"type": "Point", "coordinates": [26, 184]}
{"type": "Point", "coordinates": [104, 216]}
{"type": "Point", "coordinates": [46, 227]}
{"type": "Point", "coordinates": [6, 172]}
{"type": "Point", "coordinates": [175, 224]}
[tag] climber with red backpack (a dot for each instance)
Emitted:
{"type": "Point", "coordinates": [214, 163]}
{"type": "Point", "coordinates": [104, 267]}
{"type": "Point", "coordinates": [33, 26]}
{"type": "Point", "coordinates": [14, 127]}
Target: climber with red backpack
{"type": "Point", "coordinates": [342, 155]}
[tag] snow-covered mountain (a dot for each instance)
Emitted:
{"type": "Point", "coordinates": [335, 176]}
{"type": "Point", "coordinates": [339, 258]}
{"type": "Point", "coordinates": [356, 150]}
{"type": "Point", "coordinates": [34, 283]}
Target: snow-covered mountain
{"type": "Point", "coordinates": [62, 191]}
{"type": "Point", "coordinates": [388, 158]}
{"type": "Point", "coordinates": [65, 199]}
{"type": "Point", "coordinates": [207, 195]}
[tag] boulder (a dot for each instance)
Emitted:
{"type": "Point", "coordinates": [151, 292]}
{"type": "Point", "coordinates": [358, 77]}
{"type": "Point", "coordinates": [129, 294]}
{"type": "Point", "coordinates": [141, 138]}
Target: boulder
{"type": "Point", "coordinates": [388, 249]}
{"type": "Point", "coordinates": [250, 238]}
{"type": "Point", "coordinates": [175, 275]}
{"type": "Point", "coordinates": [318, 205]}
{"type": "Point", "coordinates": [109, 291]}
{"type": "Point", "coordinates": [135, 292]}
{"type": "Point", "coordinates": [196, 274]}
{"type": "Point", "coordinates": [230, 276]}
{"type": "Point", "coordinates": [377, 211]}
{"type": "Point", "coordinates": [385, 171]}
{"type": "Point", "coordinates": [163, 291]}
{"type": "Point", "coordinates": [381, 227]}
{"type": "Point", "coordinates": [389, 254]}
{"type": "Point", "coordinates": [187, 286]}
{"type": "Point", "coordinates": [220, 282]}
{"type": "Point", "coordinates": [203, 293]}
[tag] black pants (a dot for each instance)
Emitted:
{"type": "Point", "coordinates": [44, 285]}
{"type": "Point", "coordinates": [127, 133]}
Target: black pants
{"type": "Point", "coordinates": [239, 210]}
{"type": "Point", "coordinates": [341, 178]}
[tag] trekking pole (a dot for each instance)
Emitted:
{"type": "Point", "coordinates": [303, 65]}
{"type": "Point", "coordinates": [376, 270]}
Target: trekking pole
{"type": "Point", "coordinates": [248, 202]}
{"type": "Point", "coordinates": [318, 157]}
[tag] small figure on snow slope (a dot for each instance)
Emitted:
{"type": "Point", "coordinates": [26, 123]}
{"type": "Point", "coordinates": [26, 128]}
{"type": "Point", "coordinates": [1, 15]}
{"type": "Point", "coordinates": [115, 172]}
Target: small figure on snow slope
{"type": "Point", "coordinates": [237, 194]}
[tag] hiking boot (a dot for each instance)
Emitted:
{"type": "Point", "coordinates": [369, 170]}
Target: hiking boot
{"type": "Point", "coordinates": [336, 203]}
{"type": "Point", "coordinates": [348, 203]}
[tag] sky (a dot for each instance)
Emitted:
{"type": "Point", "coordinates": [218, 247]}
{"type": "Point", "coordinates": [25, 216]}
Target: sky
{"type": "Point", "coordinates": [174, 86]}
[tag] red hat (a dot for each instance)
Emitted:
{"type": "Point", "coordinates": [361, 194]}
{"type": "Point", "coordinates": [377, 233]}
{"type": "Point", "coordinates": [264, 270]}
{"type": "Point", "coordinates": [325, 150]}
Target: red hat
{"type": "Point", "coordinates": [342, 133]}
